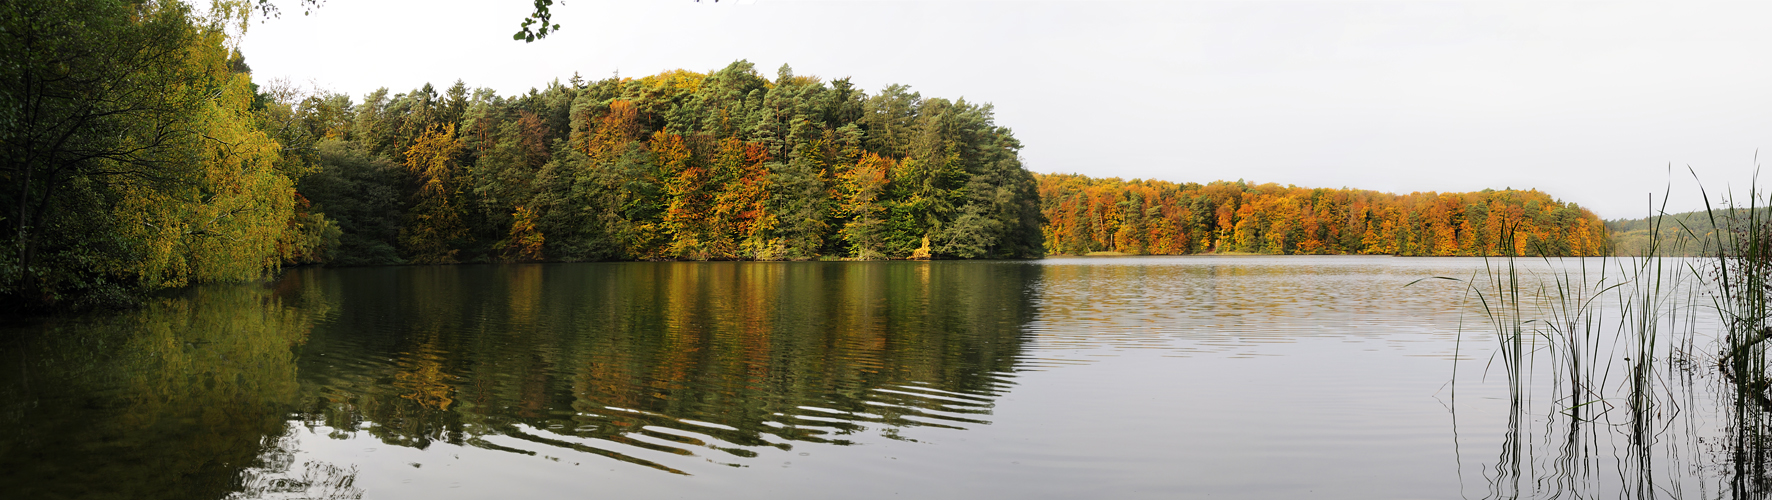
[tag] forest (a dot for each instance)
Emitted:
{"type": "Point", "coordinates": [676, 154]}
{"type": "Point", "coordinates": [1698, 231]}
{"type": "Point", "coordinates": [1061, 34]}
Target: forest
{"type": "Point", "coordinates": [1086, 215]}
{"type": "Point", "coordinates": [680, 165]}
{"type": "Point", "coordinates": [141, 155]}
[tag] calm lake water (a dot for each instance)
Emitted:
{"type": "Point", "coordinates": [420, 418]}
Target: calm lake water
{"type": "Point", "coordinates": [1184, 377]}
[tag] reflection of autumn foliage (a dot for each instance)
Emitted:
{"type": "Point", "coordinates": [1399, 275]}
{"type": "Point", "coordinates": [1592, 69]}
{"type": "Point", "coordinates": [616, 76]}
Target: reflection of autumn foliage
{"type": "Point", "coordinates": [1156, 217]}
{"type": "Point", "coordinates": [422, 379]}
{"type": "Point", "coordinates": [525, 293]}
{"type": "Point", "coordinates": [615, 359]}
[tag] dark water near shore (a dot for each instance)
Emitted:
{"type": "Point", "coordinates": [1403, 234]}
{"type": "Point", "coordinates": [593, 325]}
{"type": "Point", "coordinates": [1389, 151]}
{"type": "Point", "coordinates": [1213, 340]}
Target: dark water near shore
{"type": "Point", "coordinates": [1236, 377]}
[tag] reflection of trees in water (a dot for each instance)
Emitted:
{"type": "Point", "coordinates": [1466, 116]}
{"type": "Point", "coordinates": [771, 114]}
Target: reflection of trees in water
{"type": "Point", "coordinates": [173, 400]}
{"type": "Point", "coordinates": [637, 359]}
{"type": "Point", "coordinates": [421, 378]}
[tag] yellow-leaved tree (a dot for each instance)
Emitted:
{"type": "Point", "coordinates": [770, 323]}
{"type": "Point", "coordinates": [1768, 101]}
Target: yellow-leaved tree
{"type": "Point", "coordinates": [228, 209]}
{"type": "Point", "coordinates": [863, 188]}
{"type": "Point", "coordinates": [434, 224]}
{"type": "Point", "coordinates": [525, 242]}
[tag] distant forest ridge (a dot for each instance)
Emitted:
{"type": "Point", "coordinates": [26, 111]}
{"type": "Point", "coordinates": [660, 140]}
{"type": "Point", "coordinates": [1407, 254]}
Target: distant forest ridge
{"type": "Point", "coordinates": [1086, 215]}
{"type": "Point", "coordinates": [1681, 234]}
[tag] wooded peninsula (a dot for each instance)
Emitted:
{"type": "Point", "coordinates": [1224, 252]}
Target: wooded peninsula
{"type": "Point", "coordinates": [140, 155]}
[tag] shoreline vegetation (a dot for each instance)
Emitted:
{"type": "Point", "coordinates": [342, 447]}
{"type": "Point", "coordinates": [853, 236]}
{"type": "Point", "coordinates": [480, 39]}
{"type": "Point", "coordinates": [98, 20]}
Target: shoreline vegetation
{"type": "Point", "coordinates": [150, 160]}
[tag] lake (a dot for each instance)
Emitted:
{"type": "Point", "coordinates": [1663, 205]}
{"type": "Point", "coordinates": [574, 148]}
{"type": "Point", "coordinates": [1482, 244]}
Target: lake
{"type": "Point", "coordinates": [1137, 377]}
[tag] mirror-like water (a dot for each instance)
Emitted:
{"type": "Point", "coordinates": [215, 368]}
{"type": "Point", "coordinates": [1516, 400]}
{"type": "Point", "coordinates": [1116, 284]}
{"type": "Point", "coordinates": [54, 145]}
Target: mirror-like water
{"type": "Point", "coordinates": [1231, 377]}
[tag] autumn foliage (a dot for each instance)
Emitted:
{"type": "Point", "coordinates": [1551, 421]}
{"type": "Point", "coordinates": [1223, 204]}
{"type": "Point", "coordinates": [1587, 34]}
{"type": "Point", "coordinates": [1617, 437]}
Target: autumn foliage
{"type": "Point", "coordinates": [1163, 218]}
{"type": "Point", "coordinates": [723, 165]}
{"type": "Point", "coordinates": [157, 162]}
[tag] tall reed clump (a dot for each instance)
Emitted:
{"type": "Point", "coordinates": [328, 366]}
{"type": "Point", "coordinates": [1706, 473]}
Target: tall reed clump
{"type": "Point", "coordinates": [1618, 337]}
{"type": "Point", "coordinates": [1501, 300]}
{"type": "Point", "coordinates": [1742, 274]}
{"type": "Point", "coordinates": [1742, 270]}
{"type": "Point", "coordinates": [1648, 299]}
{"type": "Point", "coordinates": [1598, 326]}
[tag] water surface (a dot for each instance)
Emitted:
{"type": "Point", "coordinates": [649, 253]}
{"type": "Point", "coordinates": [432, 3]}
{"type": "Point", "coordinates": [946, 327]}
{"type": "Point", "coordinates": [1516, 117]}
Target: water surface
{"type": "Point", "coordinates": [1230, 377]}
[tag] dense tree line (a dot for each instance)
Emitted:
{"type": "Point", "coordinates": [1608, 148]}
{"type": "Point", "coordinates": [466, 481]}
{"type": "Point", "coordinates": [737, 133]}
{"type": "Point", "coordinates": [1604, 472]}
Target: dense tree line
{"type": "Point", "coordinates": [674, 166]}
{"type": "Point", "coordinates": [1157, 217]}
{"type": "Point", "coordinates": [140, 155]}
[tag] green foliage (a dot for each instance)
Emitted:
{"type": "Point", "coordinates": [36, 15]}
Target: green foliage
{"type": "Point", "coordinates": [361, 193]}
{"type": "Point", "coordinates": [536, 25]}
{"type": "Point", "coordinates": [136, 155]}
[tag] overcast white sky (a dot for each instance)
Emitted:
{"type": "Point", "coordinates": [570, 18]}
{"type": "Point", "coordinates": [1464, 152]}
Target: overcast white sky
{"type": "Point", "coordinates": [1589, 101]}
